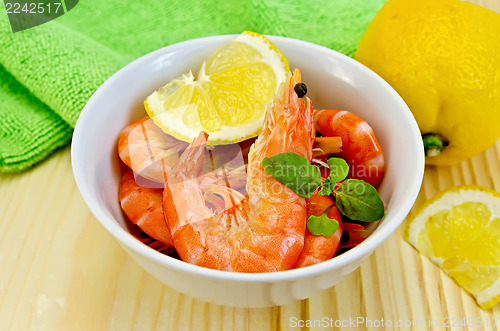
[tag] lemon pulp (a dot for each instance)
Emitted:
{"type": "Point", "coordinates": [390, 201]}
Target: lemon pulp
{"type": "Point", "coordinates": [459, 230]}
{"type": "Point", "coordinates": [228, 98]}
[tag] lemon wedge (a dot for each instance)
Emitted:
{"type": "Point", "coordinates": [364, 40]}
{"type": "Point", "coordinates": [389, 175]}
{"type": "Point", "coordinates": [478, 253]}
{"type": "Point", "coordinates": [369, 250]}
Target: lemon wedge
{"type": "Point", "coordinates": [459, 230]}
{"type": "Point", "coordinates": [228, 98]}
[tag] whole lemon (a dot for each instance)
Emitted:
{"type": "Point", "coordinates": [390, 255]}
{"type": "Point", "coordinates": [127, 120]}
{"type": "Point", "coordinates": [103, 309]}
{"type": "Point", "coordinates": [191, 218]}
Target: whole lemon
{"type": "Point", "coordinates": [443, 58]}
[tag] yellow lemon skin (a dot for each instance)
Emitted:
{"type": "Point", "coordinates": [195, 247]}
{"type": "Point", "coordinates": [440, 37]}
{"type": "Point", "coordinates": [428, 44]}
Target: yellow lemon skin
{"type": "Point", "coordinates": [443, 58]}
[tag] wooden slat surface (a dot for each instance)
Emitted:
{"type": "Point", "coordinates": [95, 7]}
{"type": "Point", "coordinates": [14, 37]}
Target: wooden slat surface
{"type": "Point", "coordinates": [60, 270]}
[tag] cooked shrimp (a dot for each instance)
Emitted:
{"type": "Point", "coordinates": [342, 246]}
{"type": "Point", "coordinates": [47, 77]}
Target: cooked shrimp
{"type": "Point", "coordinates": [143, 206]}
{"type": "Point", "coordinates": [320, 248]}
{"type": "Point", "coordinates": [360, 147]}
{"type": "Point", "coordinates": [265, 230]}
{"type": "Point", "coordinates": [142, 145]}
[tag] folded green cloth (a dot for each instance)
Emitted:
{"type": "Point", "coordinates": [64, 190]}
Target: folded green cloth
{"type": "Point", "coordinates": [48, 73]}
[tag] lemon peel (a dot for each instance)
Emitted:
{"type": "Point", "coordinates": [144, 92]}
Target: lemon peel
{"type": "Point", "coordinates": [229, 96]}
{"type": "Point", "coordinates": [442, 58]}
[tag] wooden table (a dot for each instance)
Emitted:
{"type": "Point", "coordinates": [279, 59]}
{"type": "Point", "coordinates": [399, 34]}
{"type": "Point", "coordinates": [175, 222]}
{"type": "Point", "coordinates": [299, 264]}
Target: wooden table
{"type": "Point", "coordinates": [60, 270]}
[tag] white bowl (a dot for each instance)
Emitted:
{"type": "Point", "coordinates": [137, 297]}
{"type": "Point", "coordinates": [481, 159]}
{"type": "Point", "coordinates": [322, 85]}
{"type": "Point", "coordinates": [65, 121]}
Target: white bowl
{"type": "Point", "coordinates": [333, 80]}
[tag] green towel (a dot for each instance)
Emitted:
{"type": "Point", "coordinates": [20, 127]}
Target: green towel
{"type": "Point", "coordinates": [48, 73]}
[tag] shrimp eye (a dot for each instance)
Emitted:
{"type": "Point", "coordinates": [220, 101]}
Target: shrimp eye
{"type": "Point", "coordinates": [300, 89]}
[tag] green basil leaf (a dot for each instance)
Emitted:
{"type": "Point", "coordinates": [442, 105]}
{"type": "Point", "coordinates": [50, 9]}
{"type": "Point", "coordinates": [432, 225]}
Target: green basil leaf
{"type": "Point", "coordinates": [294, 171]}
{"type": "Point", "coordinates": [322, 225]}
{"type": "Point", "coordinates": [339, 169]}
{"type": "Point", "coordinates": [327, 187]}
{"type": "Point", "coordinates": [359, 200]}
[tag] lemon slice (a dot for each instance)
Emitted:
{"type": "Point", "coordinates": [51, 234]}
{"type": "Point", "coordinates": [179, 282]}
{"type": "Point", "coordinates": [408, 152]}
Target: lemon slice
{"type": "Point", "coordinates": [459, 230]}
{"type": "Point", "coordinates": [229, 97]}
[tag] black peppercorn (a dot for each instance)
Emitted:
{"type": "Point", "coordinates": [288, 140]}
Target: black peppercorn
{"type": "Point", "coordinates": [300, 89]}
